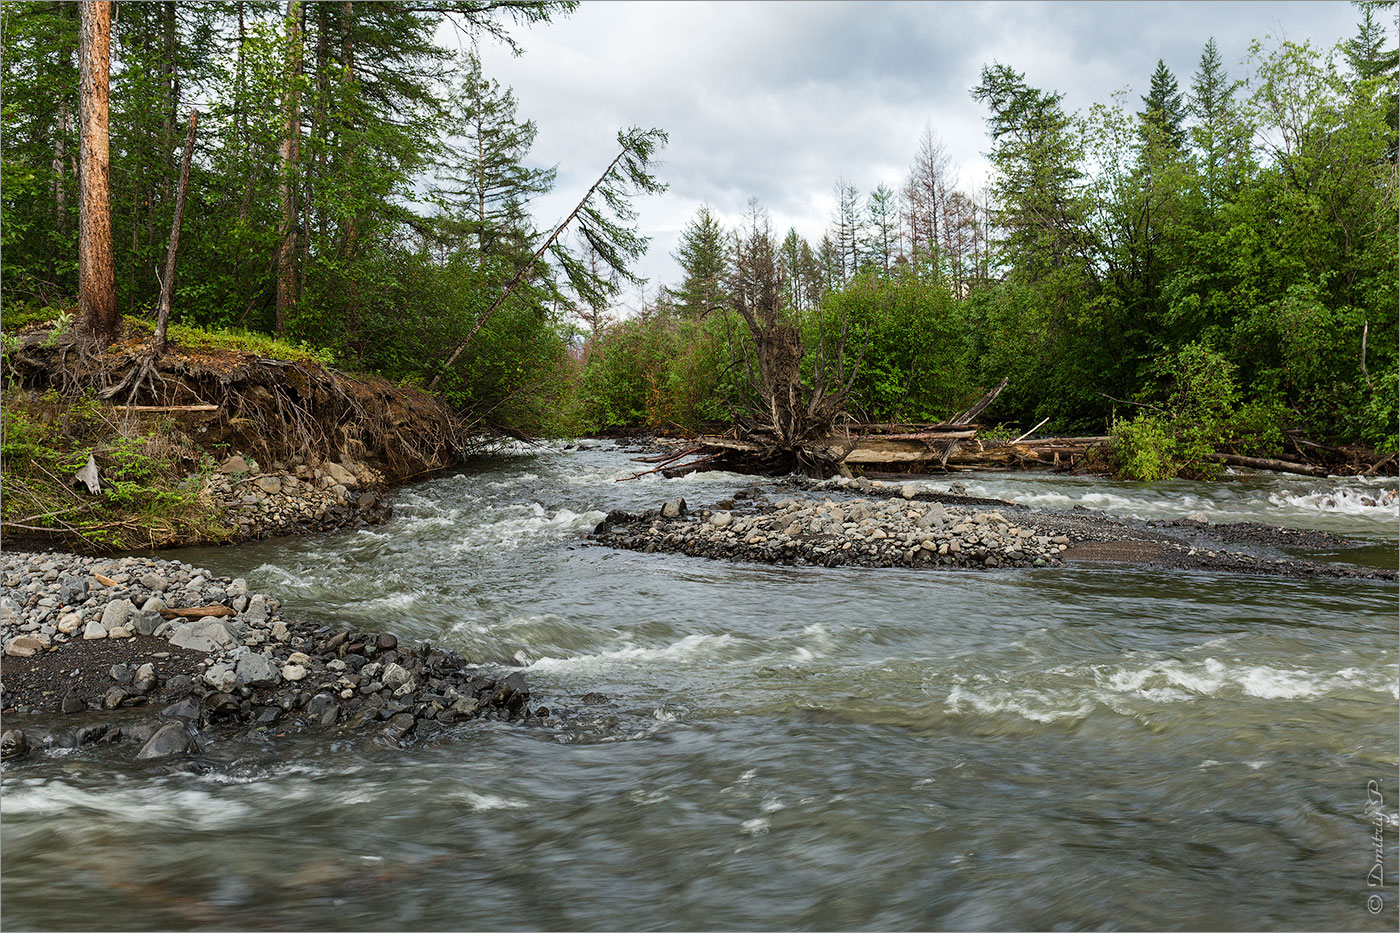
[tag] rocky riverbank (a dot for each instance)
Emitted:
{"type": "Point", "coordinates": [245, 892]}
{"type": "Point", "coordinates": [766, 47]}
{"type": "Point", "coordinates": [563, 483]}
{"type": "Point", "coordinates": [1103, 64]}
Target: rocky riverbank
{"type": "Point", "coordinates": [873, 524]}
{"type": "Point", "coordinates": [180, 652]}
{"type": "Point", "coordinates": [296, 497]}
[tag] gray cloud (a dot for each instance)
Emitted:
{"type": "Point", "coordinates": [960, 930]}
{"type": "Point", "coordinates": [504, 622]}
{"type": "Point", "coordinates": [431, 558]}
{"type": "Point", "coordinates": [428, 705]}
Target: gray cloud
{"type": "Point", "coordinates": [776, 100]}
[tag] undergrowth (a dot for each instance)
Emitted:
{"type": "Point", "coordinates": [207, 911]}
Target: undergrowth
{"type": "Point", "coordinates": [151, 477]}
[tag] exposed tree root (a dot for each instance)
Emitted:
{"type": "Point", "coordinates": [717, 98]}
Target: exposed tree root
{"type": "Point", "coordinates": [271, 409]}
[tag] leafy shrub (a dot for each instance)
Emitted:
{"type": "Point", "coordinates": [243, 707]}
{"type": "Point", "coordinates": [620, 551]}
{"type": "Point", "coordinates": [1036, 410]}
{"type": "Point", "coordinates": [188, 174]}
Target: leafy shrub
{"type": "Point", "coordinates": [1200, 414]}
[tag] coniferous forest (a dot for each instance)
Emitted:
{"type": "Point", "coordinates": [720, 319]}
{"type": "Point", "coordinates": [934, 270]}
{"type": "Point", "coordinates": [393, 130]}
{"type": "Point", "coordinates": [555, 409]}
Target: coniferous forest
{"type": "Point", "coordinates": [1212, 262]}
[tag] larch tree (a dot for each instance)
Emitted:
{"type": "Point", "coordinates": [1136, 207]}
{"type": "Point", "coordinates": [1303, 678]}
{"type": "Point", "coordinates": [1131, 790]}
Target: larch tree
{"type": "Point", "coordinates": [881, 240]}
{"type": "Point", "coordinates": [606, 224]}
{"type": "Point", "coordinates": [97, 287]}
{"type": "Point", "coordinates": [926, 193]}
{"type": "Point", "coordinates": [1037, 182]}
{"type": "Point", "coordinates": [846, 229]}
{"type": "Point", "coordinates": [486, 183]}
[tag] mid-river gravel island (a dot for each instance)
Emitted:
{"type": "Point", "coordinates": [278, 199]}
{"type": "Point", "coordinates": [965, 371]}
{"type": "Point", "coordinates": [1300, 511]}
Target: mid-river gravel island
{"type": "Point", "coordinates": [876, 524]}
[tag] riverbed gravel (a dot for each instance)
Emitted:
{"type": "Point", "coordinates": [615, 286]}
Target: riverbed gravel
{"type": "Point", "coordinates": [204, 652]}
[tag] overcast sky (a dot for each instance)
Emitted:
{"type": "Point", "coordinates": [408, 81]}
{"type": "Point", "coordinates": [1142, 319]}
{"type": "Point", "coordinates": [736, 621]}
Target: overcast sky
{"type": "Point", "coordinates": [776, 100]}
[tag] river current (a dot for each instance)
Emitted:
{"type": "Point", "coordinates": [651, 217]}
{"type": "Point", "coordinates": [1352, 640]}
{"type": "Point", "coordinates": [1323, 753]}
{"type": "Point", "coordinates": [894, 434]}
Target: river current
{"type": "Point", "coordinates": [780, 747]}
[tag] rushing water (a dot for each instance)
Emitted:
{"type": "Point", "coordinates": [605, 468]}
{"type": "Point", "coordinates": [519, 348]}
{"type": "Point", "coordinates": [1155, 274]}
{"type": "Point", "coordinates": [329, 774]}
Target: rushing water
{"type": "Point", "coordinates": [782, 747]}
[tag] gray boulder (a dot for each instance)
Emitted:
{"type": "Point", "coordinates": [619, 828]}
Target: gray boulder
{"type": "Point", "coordinates": [202, 635]}
{"type": "Point", "coordinates": [116, 614]}
{"type": "Point", "coordinates": [252, 668]}
{"type": "Point", "coordinates": [72, 590]}
{"type": "Point", "coordinates": [170, 739]}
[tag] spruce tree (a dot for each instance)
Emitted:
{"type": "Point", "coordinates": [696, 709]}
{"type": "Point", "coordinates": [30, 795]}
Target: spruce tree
{"type": "Point", "coordinates": [1218, 133]}
{"type": "Point", "coordinates": [703, 257]}
{"type": "Point", "coordinates": [1163, 109]}
{"type": "Point", "coordinates": [1370, 60]}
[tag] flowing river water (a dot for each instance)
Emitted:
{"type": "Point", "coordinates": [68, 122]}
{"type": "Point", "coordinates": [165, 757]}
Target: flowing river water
{"type": "Point", "coordinates": [781, 747]}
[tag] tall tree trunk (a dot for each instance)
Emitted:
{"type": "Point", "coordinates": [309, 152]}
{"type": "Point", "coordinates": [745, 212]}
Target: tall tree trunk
{"type": "Point", "coordinates": [60, 193]}
{"type": "Point", "coordinates": [167, 285]}
{"type": "Point", "coordinates": [240, 104]}
{"type": "Point", "coordinates": [347, 61]}
{"type": "Point", "coordinates": [97, 285]}
{"type": "Point", "coordinates": [290, 157]}
{"type": "Point", "coordinates": [320, 131]}
{"type": "Point", "coordinates": [60, 148]}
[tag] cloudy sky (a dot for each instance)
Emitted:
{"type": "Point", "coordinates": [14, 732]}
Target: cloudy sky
{"type": "Point", "coordinates": [777, 100]}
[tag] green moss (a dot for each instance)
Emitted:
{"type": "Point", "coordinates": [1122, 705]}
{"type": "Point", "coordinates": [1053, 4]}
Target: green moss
{"type": "Point", "coordinates": [188, 338]}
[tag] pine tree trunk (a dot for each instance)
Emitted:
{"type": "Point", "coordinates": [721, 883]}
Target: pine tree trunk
{"type": "Point", "coordinates": [97, 286]}
{"type": "Point", "coordinates": [289, 155]}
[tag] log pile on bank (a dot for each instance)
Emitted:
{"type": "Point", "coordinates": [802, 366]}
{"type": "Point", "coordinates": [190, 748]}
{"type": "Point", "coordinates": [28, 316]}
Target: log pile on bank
{"type": "Point", "coordinates": [917, 448]}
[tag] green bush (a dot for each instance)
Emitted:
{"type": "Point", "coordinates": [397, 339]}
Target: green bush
{"type": "Point", "coordinates": [659, 370]}
{"type": "Point", "coordinates": [1201, 413]}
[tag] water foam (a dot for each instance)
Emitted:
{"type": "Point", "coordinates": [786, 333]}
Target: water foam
{"type": "Point", "coordinates": [191, 808]}
{"type": "Point", "coordinates": [1073, 693]}
{"type": "Point", "coordinates": [689, 649]}
{"type": "Point", "coordinates": [516, 530]}
{"type": "Point", "coordinates": [1382, 504]}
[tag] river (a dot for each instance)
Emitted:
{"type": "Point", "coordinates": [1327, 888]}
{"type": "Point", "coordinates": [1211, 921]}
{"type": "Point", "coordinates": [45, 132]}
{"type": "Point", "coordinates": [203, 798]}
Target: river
{"type": "Point", "coordinates": [780, 747]}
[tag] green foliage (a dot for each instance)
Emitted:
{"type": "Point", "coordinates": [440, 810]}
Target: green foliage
{"type": "Point", "coordinates": [486, 185]}
{"type": "Point", "coordinates": [703, 256]}
{"type": "Point", "coordinates": [909, 328]}
{"type": "Point", "coordinates": [659, 370]}
{"type": "Point", "coordinates": [1199, 413]}
{"type": "Point", "coordinates": [1144, 448]}
{"type": "Point", "coordinates": [1259, 218]}
{"type": "Point", "coordinates": [20, 316]}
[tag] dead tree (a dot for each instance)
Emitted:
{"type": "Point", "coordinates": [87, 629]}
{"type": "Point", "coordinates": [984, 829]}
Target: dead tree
{"type": "Point", "coordinates": [793, 421]}
{"type": "Point", "coordinates": [167, 285]}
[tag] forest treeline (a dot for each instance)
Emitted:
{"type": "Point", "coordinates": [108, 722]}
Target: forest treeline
{"type": "Point", "coordinates": [1218, 253]}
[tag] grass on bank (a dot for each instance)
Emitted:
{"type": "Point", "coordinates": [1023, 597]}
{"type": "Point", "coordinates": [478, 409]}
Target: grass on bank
{"type": "Point", "coordinates": [22, 318]}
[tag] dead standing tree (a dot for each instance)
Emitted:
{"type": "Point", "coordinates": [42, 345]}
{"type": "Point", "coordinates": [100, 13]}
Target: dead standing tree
{"type": "Point", "coordinates": [794, 421]}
